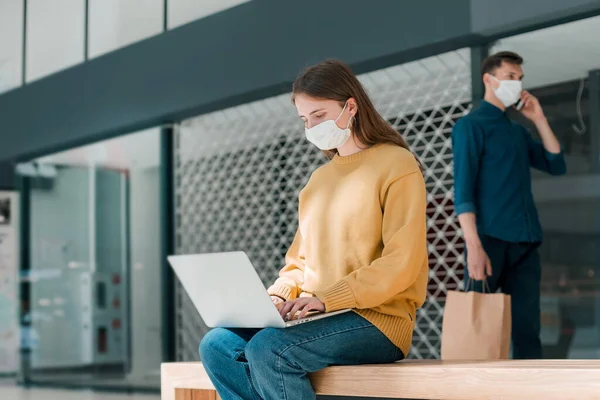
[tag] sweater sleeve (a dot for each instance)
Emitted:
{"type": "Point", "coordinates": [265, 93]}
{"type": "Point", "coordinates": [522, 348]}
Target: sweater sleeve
{"type": "Point", "coordinates": [404, 234]}
{"type": "Point", "coordinates": [289, 284]}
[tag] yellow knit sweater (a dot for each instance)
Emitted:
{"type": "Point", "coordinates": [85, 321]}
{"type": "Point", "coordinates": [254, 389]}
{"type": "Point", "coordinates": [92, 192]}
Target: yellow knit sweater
{"type": "Point", "coordinates": [361, 241]}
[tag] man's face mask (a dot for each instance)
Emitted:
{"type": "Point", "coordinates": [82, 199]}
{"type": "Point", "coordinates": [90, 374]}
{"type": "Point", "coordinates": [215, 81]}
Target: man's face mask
{"type": "Point", "coordinates": [508, 92]}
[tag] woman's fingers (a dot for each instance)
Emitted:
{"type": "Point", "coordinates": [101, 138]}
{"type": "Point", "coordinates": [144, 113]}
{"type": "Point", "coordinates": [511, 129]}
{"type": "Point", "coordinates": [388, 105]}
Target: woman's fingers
{"type": "Point", "coordinates": [300, 304]}
{"type": "Point", "coordinates": [286, 308]}
{"type": "Point", "coordinates": [290, 308]}
{"type": "Point", "coordinates": [308, 308]}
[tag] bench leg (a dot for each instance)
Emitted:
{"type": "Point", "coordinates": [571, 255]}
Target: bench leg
{"type": "Point", "coordinates": [196, 394]}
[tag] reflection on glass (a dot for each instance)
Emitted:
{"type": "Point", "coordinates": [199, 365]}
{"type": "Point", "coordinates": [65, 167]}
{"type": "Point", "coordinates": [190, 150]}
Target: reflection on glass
{"type": "Point", "coordinates": [570, 217]}
{"type": "Point", "coordinates": [556, 72]}
{"type": "Point", "coordinates": [115, 23]}
{"type": "Point", "coordinates": [91, 221]}
{"type": "Point", "coordinates": [55, 36]}
{"type": "Point", "coordinates": [181, 12]}
{"type": "Point", "coordinates": [11, 44]}
{"type": "Point", "coordinates": [77, 231]}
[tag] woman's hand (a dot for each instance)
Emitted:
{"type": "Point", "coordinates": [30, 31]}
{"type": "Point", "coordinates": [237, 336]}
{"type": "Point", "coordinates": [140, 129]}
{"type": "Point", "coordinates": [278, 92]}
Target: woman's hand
{"type": "Point", "coordinates": [277, 301]}
{"type": "Point", "coordinates": [303, 305]}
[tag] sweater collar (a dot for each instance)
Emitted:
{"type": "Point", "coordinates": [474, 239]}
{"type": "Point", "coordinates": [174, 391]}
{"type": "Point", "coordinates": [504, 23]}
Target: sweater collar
{"type": "Point", "coordinates": [356, 156]}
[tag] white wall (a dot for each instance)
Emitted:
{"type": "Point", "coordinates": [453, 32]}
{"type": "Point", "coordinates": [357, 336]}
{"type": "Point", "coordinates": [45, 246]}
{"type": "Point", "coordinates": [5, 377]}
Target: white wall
{"type": "Point", "coordinates": [117, 23]}
{"type": "Point", "coordinates": [11, 43]}
{"type": "Point", "coordinates": [55, 36]}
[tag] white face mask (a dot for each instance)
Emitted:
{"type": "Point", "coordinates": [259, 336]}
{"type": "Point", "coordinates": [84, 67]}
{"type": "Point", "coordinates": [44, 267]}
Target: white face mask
{"type": "Point", "coordinates": [327, 135]}
{"type": "Point", "coordinates": [509, 92]}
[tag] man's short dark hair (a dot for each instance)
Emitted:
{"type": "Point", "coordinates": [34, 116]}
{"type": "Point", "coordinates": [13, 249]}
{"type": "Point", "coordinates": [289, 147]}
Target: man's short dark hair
{"type": "Point", "coordinates": [493, 62]}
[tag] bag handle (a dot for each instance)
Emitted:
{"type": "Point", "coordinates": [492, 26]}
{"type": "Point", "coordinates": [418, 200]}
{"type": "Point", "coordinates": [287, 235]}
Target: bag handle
{"type": "Point", "coordinates": [485, 286]}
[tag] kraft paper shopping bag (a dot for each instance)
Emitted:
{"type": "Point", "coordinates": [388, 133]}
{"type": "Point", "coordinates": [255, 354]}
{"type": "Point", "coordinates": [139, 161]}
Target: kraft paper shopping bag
{"type": "Point", "coordinates": [476, 326]}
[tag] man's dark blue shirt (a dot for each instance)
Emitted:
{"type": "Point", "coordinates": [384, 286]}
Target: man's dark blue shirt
{"type": "Point", "coordinates": [492, 178]}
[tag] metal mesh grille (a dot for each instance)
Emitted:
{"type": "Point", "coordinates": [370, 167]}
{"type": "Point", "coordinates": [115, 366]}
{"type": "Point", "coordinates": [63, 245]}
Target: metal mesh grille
{"type": "Point", "coordinates": [238, 173]}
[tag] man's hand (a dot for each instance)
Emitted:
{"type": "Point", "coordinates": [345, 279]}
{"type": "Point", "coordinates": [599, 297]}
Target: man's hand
{"type": "Point", "coordinates": [478, 263]}
{"type": "Point", "coordinates": [303, 305]}
{"type": "Point", "coordinates": [531, 109]}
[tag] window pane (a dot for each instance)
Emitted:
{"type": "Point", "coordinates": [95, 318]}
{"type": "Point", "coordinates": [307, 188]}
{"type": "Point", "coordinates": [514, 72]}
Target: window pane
{"type": "Point", "coordinates": [183, 11]}
{"type": "Point", "coordinates": [116, 23]}
{"type": "Point", "coordinates": [11, 43]}
{"type": "Point", "coordinates": [55, 36]}
{"type": "Point", "coordinates": [557, 65]}
{"type": "Point", "coordinates": [96, 259]}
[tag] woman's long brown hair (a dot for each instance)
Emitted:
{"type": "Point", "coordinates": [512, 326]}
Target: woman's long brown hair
{"type": "Point", "coordinates": [334, 80]}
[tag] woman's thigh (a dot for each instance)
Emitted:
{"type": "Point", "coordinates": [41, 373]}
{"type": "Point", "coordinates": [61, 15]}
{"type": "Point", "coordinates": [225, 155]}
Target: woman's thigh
{"type": "Point", "coordinates": [227, 343]}
{"type": "Point", "coordinates": [346, 339]}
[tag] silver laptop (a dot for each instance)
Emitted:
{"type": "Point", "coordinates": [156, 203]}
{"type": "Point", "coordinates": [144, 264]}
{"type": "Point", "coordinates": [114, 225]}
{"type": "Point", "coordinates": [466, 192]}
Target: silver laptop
{"type": "Point", "coordinates": [228, 293]}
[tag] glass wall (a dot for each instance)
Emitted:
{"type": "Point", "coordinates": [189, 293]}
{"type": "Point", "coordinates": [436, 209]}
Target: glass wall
{"type": "Point", "coordinates": [115, 23]}
{"type": "Point", "coordinates": [56, 31]}
{"type": "Point", "coordinates": [96, 264]}
{"type": "Point", "coordinates": [11, 44]}
{"type": "Point", "coordinates": [558, 61]}
{"type": "Point", "coordinates": [181, 12]}
{"type": "Point", "coordinates": [55, 36]}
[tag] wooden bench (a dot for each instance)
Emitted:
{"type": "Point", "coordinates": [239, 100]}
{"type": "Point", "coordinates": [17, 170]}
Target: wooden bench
{"type": "Point", "coordinates": [441, 380]}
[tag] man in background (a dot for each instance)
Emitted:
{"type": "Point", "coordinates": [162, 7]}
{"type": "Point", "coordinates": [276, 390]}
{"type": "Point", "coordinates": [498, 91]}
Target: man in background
{"type": "Point", "coordinates": [493, 199]}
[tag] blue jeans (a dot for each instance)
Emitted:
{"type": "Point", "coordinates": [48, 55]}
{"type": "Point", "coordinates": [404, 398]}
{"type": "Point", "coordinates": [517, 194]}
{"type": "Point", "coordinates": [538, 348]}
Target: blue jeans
{"type": "Point", "coordinates": [272, 364]}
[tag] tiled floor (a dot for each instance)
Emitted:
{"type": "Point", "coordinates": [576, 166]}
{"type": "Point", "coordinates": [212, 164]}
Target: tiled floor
{"type": "Point", "coordinates": [9, 391]}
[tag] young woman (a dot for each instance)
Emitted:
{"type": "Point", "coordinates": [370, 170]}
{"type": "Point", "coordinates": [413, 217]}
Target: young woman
{"type": "Point", "coordinates": [361, 244]}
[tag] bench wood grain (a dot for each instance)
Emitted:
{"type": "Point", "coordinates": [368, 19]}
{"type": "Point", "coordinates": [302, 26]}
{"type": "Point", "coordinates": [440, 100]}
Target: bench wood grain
{"type": "Point", "coordinates": [442, 380]}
